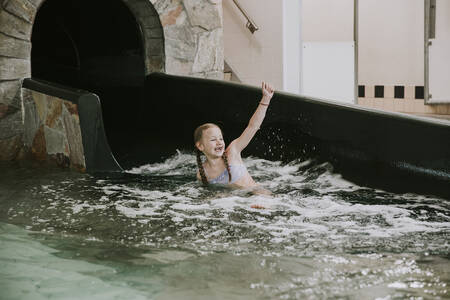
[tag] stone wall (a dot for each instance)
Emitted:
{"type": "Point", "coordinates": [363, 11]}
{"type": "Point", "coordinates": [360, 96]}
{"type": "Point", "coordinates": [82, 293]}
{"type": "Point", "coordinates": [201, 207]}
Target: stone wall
{"type": "Point", "coordinates": [11, 120]}
{"type": "Point", "coordinates": [16, 20]}
{"type": "Point", "coordinates": [193, 37]}
{"type": "Point", "coordinates": [52, 130]}
{"type": "Point", "coordinates": [181, 37]}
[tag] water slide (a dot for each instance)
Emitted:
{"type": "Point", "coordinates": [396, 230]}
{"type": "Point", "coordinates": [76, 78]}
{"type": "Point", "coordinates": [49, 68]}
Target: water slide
{"type": "Point", "coordinates": [391, 151]}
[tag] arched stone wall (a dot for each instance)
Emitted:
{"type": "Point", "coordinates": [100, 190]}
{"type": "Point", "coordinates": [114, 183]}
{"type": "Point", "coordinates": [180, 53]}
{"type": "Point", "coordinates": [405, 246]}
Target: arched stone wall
{"type": "Point", "coordinates": [152, 34]}
{"type": "Point", "coordinates": [182, 37]}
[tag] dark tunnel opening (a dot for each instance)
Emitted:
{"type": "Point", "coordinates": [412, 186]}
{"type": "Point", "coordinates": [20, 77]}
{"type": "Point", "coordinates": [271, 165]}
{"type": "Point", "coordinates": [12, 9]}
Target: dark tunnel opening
{"type": "Point", "coordinates": [95, 46]}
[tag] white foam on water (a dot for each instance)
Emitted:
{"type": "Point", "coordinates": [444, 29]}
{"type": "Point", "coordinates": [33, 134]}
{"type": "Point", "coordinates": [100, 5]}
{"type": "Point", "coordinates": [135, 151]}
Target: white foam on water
{"type": "Point", "coordinates": [398, 285]}
{"type": "Point", "coordinates": [318, 235]}
{"type": "Point", "coordinates": [175, 165]}
{"type": "Point", "coordinates": [306, 206]}
{"type": "Point", "coordinates": [316, 214]}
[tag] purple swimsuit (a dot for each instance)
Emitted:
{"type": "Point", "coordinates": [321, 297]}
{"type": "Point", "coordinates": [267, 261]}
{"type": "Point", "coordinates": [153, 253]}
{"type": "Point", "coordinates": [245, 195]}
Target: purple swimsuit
{"type": "Point", "coordinates": [237, 171]}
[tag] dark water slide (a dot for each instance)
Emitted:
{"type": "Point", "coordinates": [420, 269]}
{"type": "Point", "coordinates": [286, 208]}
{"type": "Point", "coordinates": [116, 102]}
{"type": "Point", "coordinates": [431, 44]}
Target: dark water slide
{"type": "Point", "coordinates": [392, 151]}
{"type": "Point", "coordinates": [396, 152]}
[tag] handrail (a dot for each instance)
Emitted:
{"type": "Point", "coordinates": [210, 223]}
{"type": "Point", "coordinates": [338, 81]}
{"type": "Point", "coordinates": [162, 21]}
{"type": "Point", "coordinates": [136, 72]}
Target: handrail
{"type": "Point", "coordinates": [251, 25]}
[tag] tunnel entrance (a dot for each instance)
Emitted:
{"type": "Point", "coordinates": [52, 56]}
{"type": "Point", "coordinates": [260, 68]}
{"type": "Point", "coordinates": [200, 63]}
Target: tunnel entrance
{"type": "Point", "coordinates": [95, 46]}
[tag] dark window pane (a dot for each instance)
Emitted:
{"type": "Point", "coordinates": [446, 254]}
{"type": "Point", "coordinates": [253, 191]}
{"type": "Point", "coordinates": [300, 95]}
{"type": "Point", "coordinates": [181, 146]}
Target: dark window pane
{"type": "Point", "coordinates": [399, 91]}
{"type": "Point", "coordinates": [419, 92]}
{"type": "Point", "coordinates": [379, 91]}
{"type": "Point", "coordinates": [361, 91]}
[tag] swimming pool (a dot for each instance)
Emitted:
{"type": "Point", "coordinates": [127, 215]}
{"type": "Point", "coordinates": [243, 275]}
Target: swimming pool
{"type": "Point", "coordinates": [154, 233]}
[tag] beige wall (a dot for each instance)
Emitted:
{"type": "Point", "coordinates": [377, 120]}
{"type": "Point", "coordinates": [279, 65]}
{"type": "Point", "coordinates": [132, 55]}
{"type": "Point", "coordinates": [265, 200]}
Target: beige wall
{"type": "Point", "coordinates": [390, 36]}
{"type": "Point", "coordinates": [259, 56]}
{"type": "Point", "coordinates": [292, 48]}
{"type": "Point", "coordinates": [327, 20]}
{"type": "Point", "coordinates": [391, 42]}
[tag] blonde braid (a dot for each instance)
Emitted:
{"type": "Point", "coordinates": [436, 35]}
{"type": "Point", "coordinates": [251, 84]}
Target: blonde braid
{"type": "Point", "coordinates": [225, 159]}
{"type": "Point", "coordinates": [200, 167]}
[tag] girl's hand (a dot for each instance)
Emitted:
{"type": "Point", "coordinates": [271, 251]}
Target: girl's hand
{"type": "Point", "coordinates": [267, 91]}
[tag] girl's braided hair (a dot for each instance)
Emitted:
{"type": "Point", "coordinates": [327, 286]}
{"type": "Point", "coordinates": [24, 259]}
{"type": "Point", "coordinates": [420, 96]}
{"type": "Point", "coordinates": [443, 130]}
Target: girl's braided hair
{"type": "Point", "coordinates": [197, 136]}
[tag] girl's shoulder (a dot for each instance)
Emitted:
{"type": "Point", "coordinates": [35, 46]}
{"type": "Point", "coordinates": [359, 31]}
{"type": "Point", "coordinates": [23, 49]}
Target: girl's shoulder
{"type": "Point", "coordinates": [234, 156]}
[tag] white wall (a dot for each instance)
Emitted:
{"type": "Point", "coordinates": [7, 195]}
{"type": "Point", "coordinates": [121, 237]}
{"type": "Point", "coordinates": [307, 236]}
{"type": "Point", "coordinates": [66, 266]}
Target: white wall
{"type": "Point", "coordinates": [439, 55]}
{"type": "Point", "coordinates": [328, 56]}
{"type": "Point", "coordinates": [391, 40]}
{"type": "Point", "coordinates": [292, 45]}
{"type": "Point", "coordinates": [390, 49]}
{"type": "Point", "coordinates": [255, 57]}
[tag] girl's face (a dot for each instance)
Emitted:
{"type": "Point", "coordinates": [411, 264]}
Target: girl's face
{"type": "Point", "coordinates": [211, 143]}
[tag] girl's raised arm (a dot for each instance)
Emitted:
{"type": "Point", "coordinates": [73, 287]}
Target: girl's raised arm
{"type": "Point", "coordinates": [256, 120]}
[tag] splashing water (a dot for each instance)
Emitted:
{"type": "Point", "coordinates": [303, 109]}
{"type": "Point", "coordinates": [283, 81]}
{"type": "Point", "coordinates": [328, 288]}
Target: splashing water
{"type": "Point", "coordinates": [156, 232]}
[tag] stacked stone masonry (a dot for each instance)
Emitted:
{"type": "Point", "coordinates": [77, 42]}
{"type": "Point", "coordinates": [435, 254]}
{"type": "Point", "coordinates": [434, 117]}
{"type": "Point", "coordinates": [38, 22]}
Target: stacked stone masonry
{"type": "Point", "coordinates": [181, 37]}
{"type": "Point", "coordinates": [52, 130]}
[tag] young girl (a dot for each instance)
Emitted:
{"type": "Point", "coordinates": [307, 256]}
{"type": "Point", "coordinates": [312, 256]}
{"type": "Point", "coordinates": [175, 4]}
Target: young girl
{"type": "Point", "coordinates": [225, 166]}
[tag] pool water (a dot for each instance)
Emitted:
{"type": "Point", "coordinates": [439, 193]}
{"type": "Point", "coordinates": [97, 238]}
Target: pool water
{"type": "Point", "coordinates": [153, 232]}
